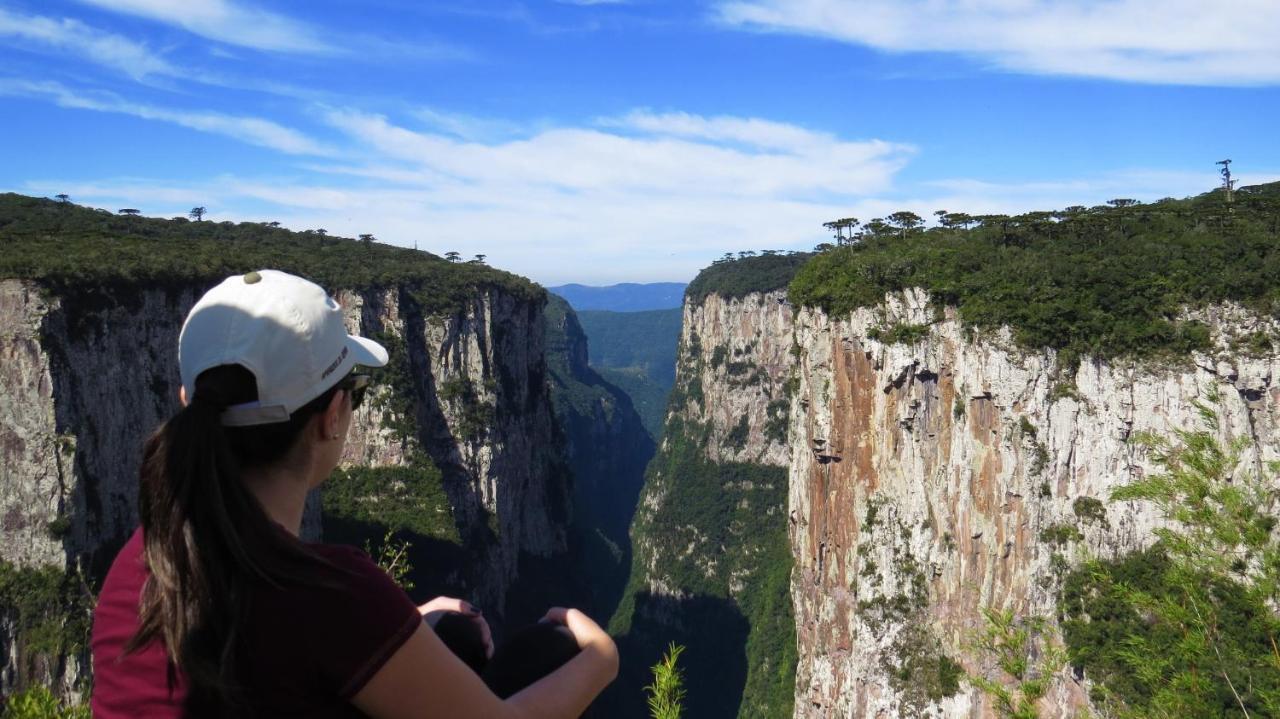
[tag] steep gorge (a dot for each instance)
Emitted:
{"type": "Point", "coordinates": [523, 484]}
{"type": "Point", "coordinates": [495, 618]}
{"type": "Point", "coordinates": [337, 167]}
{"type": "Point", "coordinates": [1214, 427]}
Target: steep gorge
{"type": "Point", "coordinates": [711, 563]}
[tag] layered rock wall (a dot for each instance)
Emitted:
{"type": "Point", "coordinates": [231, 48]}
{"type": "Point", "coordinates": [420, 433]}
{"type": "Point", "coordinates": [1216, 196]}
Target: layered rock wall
{"type": "Point", "coordinates": [923, 475]}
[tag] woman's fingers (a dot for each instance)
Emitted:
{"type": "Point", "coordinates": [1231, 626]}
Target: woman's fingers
{"type": "Point", "coordinates": [559, 615]}
{"type": "Point", "coordinates": [440, 606]}
{"type": "Point", "coordinates": [449, 604]}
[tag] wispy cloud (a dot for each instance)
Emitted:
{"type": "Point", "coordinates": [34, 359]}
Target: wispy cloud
{"type": "Point", "coordinates": [642, 196]}
{"type": "Point", "coordinates": [228, 22]}
{"type": "Point", "coordinates": [639, 197]}
{"type": "Point", "coordinates": [468, 127]}
{"type": "Point", "coordinates": [252, 130]}
{"type": "Point", "coordinates": [1231, 42]}
{"type": "Point", "coordinates": [663, 154]}
{"type": "Point", "coordinates": [72, 36]}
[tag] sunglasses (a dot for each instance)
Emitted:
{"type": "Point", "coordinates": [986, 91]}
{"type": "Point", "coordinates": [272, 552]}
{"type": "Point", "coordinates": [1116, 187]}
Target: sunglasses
{"type": "Point", "coordinates": [355, 385]}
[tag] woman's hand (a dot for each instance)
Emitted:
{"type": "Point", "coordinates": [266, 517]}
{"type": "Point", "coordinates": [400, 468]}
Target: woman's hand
{"type": "Point", "coordinates": [588, 634]}
{"type": "Point", "coordinates": [438, 607]}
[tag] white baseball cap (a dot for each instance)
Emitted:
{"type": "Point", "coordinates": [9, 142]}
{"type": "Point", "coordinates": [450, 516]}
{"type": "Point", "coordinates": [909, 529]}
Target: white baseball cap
{"type": "Point", "coordinates": [285, 330]}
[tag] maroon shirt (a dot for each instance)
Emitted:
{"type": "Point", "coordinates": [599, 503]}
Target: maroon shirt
{"type": "Point", "coordinates": [310, 648]}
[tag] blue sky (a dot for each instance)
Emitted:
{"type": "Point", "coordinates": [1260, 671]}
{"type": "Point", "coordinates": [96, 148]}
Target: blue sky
{"type": "Point", "coordinates": [601, 141]}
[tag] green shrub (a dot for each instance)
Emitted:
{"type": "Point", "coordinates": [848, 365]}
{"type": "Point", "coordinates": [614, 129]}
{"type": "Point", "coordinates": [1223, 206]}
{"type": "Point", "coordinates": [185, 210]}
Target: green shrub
{"type": "Point", "coordinates": [1090, 510]}
{"type": "Point", "coordinates": [775, 427]}
{"type": "Point", "coordinates": [1060, 534]}
{"type": "Point", "coordinates": [51, 609]}
{"type": "Point", "coordinates": [718, 356]}
{"type": "Point", "coordinates": [1025, 427]}
{"type": "Point", "coordinates": [39, 703]}
{"type": "Point", "coordinates": [407, 498]}
{"type": "Point", "coordinates": [902, 333]}
{"type": "Point", "coordinates": [1026, 657]}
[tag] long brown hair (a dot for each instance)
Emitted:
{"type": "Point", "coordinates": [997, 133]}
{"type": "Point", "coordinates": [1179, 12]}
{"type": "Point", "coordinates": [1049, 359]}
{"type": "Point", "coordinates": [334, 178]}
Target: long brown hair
{"type": "Point", "coordinates": [207, 539]}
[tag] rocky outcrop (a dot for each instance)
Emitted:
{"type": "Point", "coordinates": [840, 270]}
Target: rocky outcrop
{"type": "Point", "coordinates": [925, 479]}
{"type": "Point", "coordinates": [733, 365]}
{"type": "Point", "coordinates": [88, 374]}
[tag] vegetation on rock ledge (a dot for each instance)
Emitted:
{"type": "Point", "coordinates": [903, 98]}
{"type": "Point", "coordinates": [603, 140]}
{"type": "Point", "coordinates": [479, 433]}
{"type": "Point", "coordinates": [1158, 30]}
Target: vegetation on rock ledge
{"type": "Point", "coordinates": [1088, 282]}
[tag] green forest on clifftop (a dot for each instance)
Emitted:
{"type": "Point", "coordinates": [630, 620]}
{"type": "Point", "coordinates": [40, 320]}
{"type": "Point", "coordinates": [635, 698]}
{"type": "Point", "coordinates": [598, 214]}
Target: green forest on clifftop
{"type": "Point", "coordinates": [1105, 281]}
{"type": "Point", "coordinates": [66, 246]}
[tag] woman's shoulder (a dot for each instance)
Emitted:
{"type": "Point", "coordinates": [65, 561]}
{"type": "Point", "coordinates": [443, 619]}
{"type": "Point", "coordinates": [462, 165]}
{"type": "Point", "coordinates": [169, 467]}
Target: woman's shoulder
{"type": "Point", "coordinates": [342, 619]}
{"type": "Point", "coordinates": [336, 582]}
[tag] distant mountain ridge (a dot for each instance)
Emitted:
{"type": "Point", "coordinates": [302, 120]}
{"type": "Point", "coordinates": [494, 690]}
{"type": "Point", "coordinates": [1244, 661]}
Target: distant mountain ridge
{"type": "Point", "coordinates": [625, 297]}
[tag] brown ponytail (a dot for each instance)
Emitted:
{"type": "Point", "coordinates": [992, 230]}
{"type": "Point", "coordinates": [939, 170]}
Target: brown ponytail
{"type": "Point", "coordinates": [206, 537]}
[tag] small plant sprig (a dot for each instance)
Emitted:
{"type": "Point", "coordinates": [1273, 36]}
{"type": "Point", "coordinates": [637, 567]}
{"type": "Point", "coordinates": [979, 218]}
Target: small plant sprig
{"type": "Point", "coordinates": [666, 693]}
{"type": "Point", "coordinates": [393, 557]}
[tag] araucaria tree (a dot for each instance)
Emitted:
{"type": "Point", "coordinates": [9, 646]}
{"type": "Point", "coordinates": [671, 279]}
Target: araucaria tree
{"type": "Point", "coordinates": [196, 213]}
{"type": "Point", "coordinates": [905, 222]}
{"type": "Point", "coordinates": [842, 229]}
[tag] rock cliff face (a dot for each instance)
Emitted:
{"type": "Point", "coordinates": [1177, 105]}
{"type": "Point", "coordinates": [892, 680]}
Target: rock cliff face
{"type": "Point", "coordinates": [607, 445]}
{"type": "Point", "coordinates": [926, 480]}
{"type": "Point", "coordinates": [924, 477]}
{"type": "Point", "coordinates": [88, 375]}
{"type": "Point", "coordinates": [711, 561]}
{"type": "Point", "coordinates": [472, 396]}
{"type": "Point", "coordinates": [737, 355]}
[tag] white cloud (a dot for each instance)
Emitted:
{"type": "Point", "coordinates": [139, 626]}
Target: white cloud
{"type": "Point", "coordinates": [252, 130]}
{"type": "Point", "coordinates": [104, 48]}
{"type": "Point", "coordinates": [1229, 42]}
{"type": "Point", "coordinates": [641, 197]}
{"type": "Point", "coordinates": [661, 154]}
{"type": "Point", "coordinates": [468, 127]}
{"type": "Point", "coordinates": [638, 198]}
{"type": "Point", "coordinates": [226, 21]}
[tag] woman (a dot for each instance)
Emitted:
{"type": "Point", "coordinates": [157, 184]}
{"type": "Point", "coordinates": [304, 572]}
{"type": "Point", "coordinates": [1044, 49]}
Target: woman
{"type": "Point", "coordinates": [216, 608]}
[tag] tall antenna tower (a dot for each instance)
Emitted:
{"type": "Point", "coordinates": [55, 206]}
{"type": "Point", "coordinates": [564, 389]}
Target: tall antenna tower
{"type": "Point", "coordinates": [1228, 184]}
